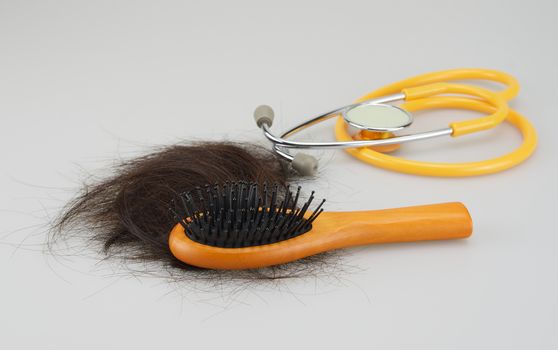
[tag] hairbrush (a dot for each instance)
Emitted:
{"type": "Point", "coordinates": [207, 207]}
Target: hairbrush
{"type": "Point", "coordinates": [240, 225]}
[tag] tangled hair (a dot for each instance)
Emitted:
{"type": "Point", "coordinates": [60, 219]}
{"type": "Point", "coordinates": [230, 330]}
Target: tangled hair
{"type": "Point", "coordinates": [127, 213]}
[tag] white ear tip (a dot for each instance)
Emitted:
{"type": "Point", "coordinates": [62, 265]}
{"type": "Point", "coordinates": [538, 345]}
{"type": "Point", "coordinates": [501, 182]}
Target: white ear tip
{"type": "Point", "coordinates": [264, 115]}
{"type": "Point", "coordinates": [305, 164]}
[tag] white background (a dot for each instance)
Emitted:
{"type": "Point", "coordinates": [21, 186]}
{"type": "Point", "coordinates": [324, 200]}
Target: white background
{"type": "Point", "coordinates": [83, 83]}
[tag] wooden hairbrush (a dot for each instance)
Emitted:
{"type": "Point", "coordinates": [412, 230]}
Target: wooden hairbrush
{"type": "Point", "coordinates": [243, 226]}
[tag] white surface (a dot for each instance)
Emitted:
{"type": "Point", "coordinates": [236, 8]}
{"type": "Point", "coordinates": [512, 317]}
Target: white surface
{"type": "Point", "coordinates": [85, 82]}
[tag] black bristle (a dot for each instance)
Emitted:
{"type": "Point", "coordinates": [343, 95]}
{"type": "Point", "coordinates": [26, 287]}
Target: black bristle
{"type": "Point", "coordinates": [241, 214]}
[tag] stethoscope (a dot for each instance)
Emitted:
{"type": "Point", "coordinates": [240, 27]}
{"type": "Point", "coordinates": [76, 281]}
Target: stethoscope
{"type": "Point", "coordinates": [367, 128]}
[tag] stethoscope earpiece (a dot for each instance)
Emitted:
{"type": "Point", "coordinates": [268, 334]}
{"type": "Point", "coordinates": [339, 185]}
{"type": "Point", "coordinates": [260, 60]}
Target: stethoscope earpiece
{"type": "Point", "coordinates": [367, 127]}
{"type": "Point", "coordinates": [264, 114]}
{"type": "Point", "coordinates": [305, 164]}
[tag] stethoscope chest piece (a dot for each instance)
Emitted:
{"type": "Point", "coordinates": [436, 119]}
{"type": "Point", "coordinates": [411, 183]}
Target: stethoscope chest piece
{"type": "Point", "coordinates": [376, 117]}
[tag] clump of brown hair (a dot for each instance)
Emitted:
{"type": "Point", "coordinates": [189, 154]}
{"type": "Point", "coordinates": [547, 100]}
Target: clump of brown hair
{"type": "Point", "coordinates": [127, 213]}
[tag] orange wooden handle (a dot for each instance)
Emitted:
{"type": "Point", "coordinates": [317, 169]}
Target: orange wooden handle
{"type": "Point", "coordinates": [418, 223]}
{"type": "Point", "coordinates": [330, 231]}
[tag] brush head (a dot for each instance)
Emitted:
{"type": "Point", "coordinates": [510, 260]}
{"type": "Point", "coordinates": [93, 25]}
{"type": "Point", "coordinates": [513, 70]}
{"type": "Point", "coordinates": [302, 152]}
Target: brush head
{"type": "Point", "coordinates": [241, 214]}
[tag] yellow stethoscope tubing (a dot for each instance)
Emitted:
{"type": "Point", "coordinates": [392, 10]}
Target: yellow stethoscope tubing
{"type": "Point", "coordinates": [420, 96]}
{"type": "Point", "coordinates": [511, 90]}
